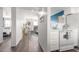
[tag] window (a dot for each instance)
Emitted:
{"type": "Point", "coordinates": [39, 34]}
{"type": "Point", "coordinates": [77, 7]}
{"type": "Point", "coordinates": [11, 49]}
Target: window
{"type": "Point", "coordinates": [7, 22]}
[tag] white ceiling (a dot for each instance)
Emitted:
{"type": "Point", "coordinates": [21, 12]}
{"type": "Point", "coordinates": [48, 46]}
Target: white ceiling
{"type": "Point", "coordinates": [31, 8]}
{"type": "Point", "coordinates": [7, 10]}
{"type": "Point", "coordinates": [37, 9]}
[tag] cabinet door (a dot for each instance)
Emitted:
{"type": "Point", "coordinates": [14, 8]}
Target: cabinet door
{"type": "Point", "coordinates": [66, 40]}
{"type": "Point", "coordinates": [53, 41]}
{"type": "Point", "coordinates": [73, 20]}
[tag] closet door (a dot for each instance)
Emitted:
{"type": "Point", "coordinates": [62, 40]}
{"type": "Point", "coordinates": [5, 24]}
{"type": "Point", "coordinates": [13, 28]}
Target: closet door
{"type": "Point", "coordinates": [1, 25]}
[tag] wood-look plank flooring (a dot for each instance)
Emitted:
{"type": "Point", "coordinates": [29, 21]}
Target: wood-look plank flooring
{"type": "Point", "coordinates": [29, 44]}
{"type": "Point", "coordinates": [26, 45]}
{"type": "Point", "coordinates": [6, 45]}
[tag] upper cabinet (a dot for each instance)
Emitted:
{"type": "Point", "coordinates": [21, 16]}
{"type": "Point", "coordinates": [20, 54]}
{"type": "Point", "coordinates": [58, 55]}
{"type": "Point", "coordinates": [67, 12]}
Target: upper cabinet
{"type": "Point", "coordinates": [71, 10]}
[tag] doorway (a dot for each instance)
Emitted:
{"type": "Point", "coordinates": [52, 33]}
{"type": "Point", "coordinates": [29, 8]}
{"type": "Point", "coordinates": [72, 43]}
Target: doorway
{"type": "Point", "coordinates": [5, 46]}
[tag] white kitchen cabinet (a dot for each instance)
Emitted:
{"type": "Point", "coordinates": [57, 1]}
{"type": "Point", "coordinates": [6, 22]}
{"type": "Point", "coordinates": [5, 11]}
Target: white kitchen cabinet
{"type": "Point", "coordinates": [66, 40]}
{"type": "Point", "coordinates": [53, 42]}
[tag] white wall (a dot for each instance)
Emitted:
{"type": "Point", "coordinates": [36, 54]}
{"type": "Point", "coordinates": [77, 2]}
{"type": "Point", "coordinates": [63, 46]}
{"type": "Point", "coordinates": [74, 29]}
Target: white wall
{"type": "Point", "coordinates": [73, 22]}
{"type": "Point", "coordinates": [19, 23]}
{"type": "Point", "coordinates": [13, 27]}
{"type": "Point", "coordinates": [42, 30]}
{"type": "Point", "coordinates": [1, 24]}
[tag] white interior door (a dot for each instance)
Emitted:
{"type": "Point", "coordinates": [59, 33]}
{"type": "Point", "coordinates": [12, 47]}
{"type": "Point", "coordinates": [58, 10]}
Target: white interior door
{"type": "Point", "coordinates": [1, 25]}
